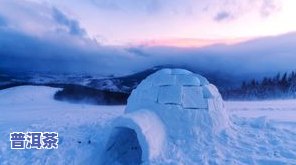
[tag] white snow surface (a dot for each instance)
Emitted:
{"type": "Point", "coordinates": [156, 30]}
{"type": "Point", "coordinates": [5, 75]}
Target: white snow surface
{"type": "Point", "coordinates": [32, 108]}
{"type": "Point", "coordinates": [260, 133]}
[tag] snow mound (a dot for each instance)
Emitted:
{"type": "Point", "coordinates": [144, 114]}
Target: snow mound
{"type": "Point", "coordinates": [27, 94]}
{"type": "Point", "coordinates": [170, 108]}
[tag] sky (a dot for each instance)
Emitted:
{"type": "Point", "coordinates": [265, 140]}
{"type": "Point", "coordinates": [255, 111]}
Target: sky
{"type": "Point", "coordinates": [172, 22]}
{"type": "Point", "coordinates": [121, 37]}
{"type": "Point", "coordinates": [132, 21]}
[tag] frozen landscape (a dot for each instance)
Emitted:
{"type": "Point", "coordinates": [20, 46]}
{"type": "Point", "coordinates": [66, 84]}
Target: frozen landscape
{"type": "Point", "coordinates": [262, 132]}
{"type": "Point", "coordinates": [104, 75]}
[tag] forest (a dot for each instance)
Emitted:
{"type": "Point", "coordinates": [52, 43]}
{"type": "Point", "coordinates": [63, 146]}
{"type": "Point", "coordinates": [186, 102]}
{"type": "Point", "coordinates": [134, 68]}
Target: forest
{"type": "Point", "coordinates": [280, 86]}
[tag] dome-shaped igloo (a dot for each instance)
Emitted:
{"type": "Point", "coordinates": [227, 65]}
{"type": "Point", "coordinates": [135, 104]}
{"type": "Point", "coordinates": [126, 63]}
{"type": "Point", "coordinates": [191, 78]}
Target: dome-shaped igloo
{"type": "Point", "coordinates": [170, 107]}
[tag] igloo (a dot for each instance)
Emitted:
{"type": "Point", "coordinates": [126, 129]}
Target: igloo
{"type": "Point", "coordinates": [170, 108]}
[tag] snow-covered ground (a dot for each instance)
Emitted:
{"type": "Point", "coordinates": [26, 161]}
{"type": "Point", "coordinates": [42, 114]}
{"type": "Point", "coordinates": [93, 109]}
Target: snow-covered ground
{"type": "Point", "coordinates": [82, 128]}
{"type": "Point", "coordinates": [262, 132]}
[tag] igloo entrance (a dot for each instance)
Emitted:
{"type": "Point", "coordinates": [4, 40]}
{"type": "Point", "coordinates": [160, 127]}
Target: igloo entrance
{"type": "Point", "coordinates": [136, 138]}
{"type": "Point", "coordinates": [123, 148]}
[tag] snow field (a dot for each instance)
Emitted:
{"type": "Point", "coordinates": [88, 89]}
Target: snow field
{"type": "Point", "coordinates": [261, 133]}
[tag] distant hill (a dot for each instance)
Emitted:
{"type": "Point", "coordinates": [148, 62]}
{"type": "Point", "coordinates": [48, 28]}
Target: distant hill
{"type": "Point", "coordinates": [115, 90]}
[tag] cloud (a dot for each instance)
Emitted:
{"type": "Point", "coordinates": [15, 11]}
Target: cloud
{"type": "Point", "coordinates": [65, 54]}
{"type": "Point", "coordinates": [71, 25]}
{"type": "Point", "coordinates": [39, 18]}
{"type": "Point", "coordinates": [107, 5]}
{"type": "Point", "coordinates": [230, 10]}
{"type": "Point", "coordinates": [70, 51]}
{"type": "Point", "coordinates": [130, 6]}
{"type": "Point", "coordinates": [268, 7]}
{"type": "Point", "coordinates": [2, 21]}
{"type": "Point", "coordinates": [222, 15]}
{"type": "Point", "coordinates": [137, 51]}
{"type": "Point", "coordinates": [59, 54]}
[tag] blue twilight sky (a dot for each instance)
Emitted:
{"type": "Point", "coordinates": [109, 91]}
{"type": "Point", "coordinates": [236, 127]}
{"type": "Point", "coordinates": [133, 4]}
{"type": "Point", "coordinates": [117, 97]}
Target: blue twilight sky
{"type": "Point", "coordinates": [125, 36]}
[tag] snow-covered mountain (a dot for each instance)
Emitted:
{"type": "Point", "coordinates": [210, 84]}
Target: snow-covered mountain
{"type": "Point", "coordinates": [107, 83]}
{"type": "Point", "coordinates": [231, 89]}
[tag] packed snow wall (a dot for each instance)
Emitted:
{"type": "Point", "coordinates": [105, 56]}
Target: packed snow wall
{"type": "Point", "coordinates": [169, 108]}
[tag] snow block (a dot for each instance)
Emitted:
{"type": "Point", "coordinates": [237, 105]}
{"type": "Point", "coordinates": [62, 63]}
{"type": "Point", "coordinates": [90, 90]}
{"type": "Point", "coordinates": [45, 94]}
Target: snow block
{"type": "Point", "coordinates": [187, 80]}
{"type": "Point", "coordinates": [190, 97]}
{"type": "Point", "coordinates": [170, 107]}
{"type": "Point", "coordinates": [169, 95]}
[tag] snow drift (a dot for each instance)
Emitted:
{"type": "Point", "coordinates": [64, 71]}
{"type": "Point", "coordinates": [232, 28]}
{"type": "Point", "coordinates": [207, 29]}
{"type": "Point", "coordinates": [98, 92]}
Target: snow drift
{"type": "Point", "coordinates": [172, 108]}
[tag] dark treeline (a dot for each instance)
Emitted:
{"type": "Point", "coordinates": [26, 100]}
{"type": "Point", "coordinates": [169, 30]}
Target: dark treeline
{"type": "Point", "coordinates": [81, 94]}
{"type": "Point", "coordinates": [280, 86]}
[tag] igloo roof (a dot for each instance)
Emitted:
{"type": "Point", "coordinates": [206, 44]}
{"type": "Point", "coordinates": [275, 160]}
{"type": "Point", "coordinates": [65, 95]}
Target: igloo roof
{"type": "Point", "coordinates": [174, 87]}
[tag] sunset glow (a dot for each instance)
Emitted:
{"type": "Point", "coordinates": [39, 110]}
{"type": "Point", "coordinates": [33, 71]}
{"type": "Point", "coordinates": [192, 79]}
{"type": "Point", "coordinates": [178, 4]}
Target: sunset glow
{"type": "Point", "coordinates": [197, 43]}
